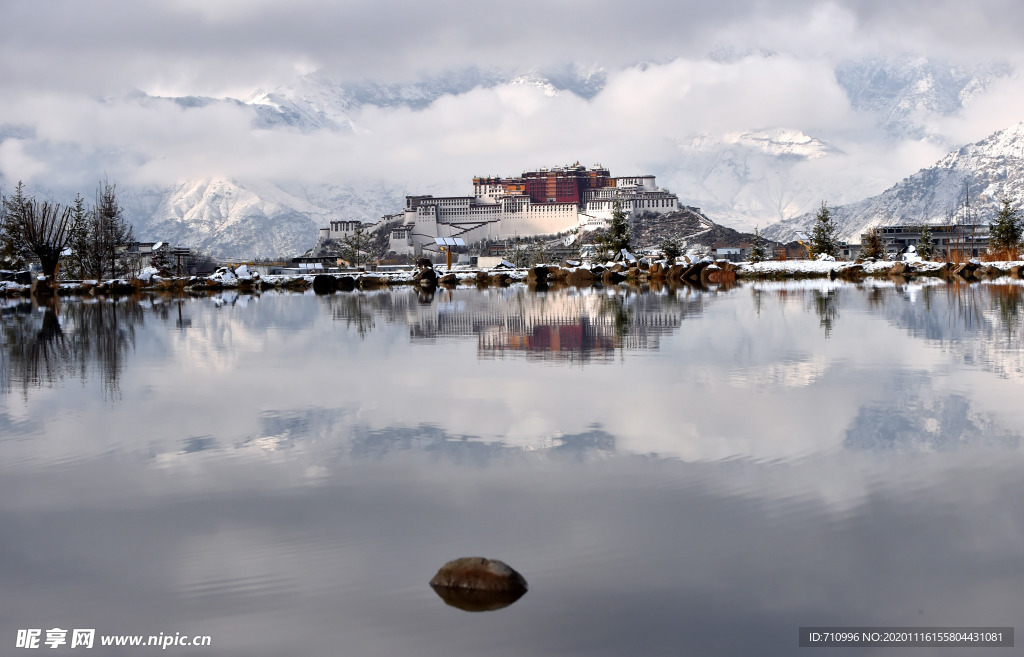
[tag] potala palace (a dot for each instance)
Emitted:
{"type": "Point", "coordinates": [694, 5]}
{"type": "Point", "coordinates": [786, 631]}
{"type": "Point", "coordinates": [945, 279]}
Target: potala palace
{"type": "Point", "coordinates": [541, 202]}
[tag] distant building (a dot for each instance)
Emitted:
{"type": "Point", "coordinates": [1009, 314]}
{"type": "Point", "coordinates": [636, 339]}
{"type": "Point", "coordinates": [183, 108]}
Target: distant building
{"type": "Point", "coordinates": [541, 202]}
{"type": "Point", "coordinates": [145, 252]}
{"type": "Point", "coordinates": [339, 230]}
{"type": "Point", "coordinates": [732, 253]}
{"type": "Point", "coordinates": [970, 239]}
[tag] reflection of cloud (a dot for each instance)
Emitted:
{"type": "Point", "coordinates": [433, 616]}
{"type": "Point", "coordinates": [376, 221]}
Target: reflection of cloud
{"type": "Point", "coordinates": [329, 435]}
{"type": "Point", "coordinates": [654, 554]}
{"type": "Point", "coordinates": [911, 419]}
{"type": "Point", "coordinates": [296, 383]}
{"type": "Point", "coordinates": [794, 374]}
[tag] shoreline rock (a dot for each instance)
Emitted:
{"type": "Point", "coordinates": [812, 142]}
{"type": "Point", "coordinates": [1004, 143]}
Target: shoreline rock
{"type": "Point", "coordinates": [479, 574]}
{"type": "Point", "coordinates": [541, 277]}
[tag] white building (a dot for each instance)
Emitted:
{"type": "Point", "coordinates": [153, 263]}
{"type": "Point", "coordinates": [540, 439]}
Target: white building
{"type": "Point", "coordinates": [339, 230]}
{"type": "Point", "coordinates": [540, 202]}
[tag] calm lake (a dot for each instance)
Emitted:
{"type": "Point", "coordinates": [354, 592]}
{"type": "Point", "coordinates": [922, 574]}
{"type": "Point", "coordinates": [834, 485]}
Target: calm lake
{"type": "Point", "coordinates": [675, 472]}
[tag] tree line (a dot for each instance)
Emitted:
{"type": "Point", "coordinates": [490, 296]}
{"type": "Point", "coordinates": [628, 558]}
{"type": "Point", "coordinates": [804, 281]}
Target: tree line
{"type": "Point", "coordinates": [90, 241]}
{"type": "Point", "coordinates": [1006, 233]}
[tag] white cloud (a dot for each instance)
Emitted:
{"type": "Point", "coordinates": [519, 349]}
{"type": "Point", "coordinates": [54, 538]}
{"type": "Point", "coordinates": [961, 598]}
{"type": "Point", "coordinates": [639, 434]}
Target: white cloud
{"type": "Point", "coordinates": [74, 90]}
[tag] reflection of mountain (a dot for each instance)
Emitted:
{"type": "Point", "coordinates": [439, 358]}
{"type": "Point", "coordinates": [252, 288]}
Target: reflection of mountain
{"type": "Point", "coordinates": [908, 421]}
{"type": "Point", "coordinates": [345, 437]}
{"type": "Point", "coordinates": [976, 324]}
{"type": "Point", "coordinates": [980, 323]}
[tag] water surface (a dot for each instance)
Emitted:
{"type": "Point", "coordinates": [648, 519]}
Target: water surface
{"type": "Point", "coordinates": [675, 472]}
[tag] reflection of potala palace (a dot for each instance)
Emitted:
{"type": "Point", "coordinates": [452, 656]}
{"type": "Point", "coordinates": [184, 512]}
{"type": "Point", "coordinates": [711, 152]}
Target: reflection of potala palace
{"type": "Point", "coordinates": [514, 322]}
{"type": "Point", "coordinates": [542, 202]}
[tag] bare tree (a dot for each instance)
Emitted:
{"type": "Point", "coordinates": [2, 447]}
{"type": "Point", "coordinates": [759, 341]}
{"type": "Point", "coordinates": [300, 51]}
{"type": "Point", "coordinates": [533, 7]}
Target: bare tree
{"type": "Point", "coordinates": [35, 228]}
{"type": "Point", "coordinates": [47, 229]}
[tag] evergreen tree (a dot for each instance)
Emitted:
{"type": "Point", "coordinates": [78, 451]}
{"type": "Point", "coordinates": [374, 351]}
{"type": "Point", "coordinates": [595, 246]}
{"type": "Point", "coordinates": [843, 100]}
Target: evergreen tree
{"type": "Point", "coordinates": [823, 237]}
{"type": "Point", "coordinates": [76, 265]}
{"type": "Point", "coordinates": [671, 249]}
{"type": "Point", "coordinates": [538, 253]}
{"type": "Point", "coordinates": [112, 233]}
{"type": "Point", "coordinates": [617, 237]}
{"type": "Point", "coordinates": [517, 253]}
{"type": "Point", "coordinates": [871, 244]}
{"type": "Point", "coordinates": [758, 247]}
{"type": "Point", "coordinates": [355, 246]}
{"type": "Point", "coordinates": [161, 260]}
{"type": "Point", "coordinates": [13, 249]}
{"type": "Point", "coordinates": [925, 248]}
{"type": "Point", "coordinates": [1005, 231]}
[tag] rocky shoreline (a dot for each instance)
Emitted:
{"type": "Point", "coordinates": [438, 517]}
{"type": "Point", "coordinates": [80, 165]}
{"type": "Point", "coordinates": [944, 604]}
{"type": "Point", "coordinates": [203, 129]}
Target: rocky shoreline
{"type": "Point", "coordinates": [702, 273]}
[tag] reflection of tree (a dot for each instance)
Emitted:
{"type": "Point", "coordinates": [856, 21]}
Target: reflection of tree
{"type": "Point", "coordinates": [68, 338]}
{"type": "Point", "coordinates": [826, 304]}
{"type": "Point", "coordinates": [876, 298]}
{"type": "Point", "coordinates": [1006, 299]}
{"type": "Point", "coordinates": [104, 333]}
{"type": "Point", "coordinates": [36, 351]}
{"type": "Point", "coordinates": [964, 304]}
{"type": "Point", "coordinates": [758, 299]}
{"type": "Point", "coordinates": [356, 310]}
{"type": "Point", "coordinates": [615, 307]}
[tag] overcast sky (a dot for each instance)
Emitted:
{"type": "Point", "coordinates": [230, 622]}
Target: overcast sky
{"type": "Point", "coordinates": [70, 73]}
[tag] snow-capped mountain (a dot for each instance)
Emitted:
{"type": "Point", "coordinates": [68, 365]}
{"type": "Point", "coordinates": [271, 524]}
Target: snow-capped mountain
{"type": "Point", "coordinates": [983, 173]}
{"type": "Point", "coordinates": [262, 218]}
{"type": "Point", "coordinates": [314, 102]}
{"type": "Point", "coordinates": [244, 219]}
{"type": "Point", "coordinates": [740, 178]}
{"type": "Point", "coordinates": [744, 179]}
{"type": "Point", "coordinates": [761, 177]}
{"type": "Point", "coordinates": [905, 93]}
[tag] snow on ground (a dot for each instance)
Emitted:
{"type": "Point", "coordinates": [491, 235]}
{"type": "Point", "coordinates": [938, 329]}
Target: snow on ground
{"type": "Point", "coordinates": [781, 268]}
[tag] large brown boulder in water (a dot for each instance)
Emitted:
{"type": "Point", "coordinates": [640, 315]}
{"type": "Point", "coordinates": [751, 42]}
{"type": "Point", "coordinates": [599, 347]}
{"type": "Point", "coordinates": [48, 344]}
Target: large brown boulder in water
{"type": "Point", "coordinates": [538, 273]}
{"type": "Point", "coordinates": [580, 277]}
{"type": "Point", "coordinates": [901, 269]}
{"type": "Point", "coordinates": [611, 277]}
{"type": "Point", "coordinates": [472, 600]}
{"type": "Point", "coordinates": [479, 574]}
{"type": "Point", "coordinates": [324, 284]}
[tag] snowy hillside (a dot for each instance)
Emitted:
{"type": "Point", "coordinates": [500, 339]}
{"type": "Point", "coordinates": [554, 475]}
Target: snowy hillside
{"type": "Point", "coordinates": [747, 179]}
{"type": "Point", "coordinates": [263, 218]}
{"type": "Point", "coordinates": [247, 220]}
{"type": "Point", "coordinates": [761, 177]}
{"type": "Point", "coordinates": [988, 171]}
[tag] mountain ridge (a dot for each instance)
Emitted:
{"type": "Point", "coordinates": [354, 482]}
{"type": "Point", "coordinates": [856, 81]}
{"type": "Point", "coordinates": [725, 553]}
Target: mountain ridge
{"type": "Point", "coordinates": [978, 172]}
